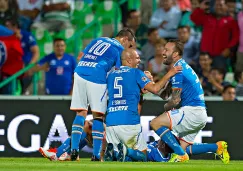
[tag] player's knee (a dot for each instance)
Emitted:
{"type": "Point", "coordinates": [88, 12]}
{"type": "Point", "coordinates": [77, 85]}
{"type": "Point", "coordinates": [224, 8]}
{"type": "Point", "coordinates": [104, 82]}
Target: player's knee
{"type": "Point", "coordinates": [82, 113]}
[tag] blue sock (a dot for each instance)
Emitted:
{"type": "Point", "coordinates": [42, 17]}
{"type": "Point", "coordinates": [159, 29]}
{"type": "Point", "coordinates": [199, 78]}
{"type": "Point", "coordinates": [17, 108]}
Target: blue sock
{"type": "Point", "coordinates": [170, 140]}
{"type": "Point", "coordinates": [115, 154]}
{"type": "Point", "coordinates": [64, 147]}
{"type": "Point", "coordinates": [97, 134]}
{"type": "Point", "coordinates": [77, 130]}
{"type": "Point", "coordinates": [136, 155]}
{"type": "Point", "coordinates": [201, 148]}
{"type": "Point", "coordinates": [82, 144]}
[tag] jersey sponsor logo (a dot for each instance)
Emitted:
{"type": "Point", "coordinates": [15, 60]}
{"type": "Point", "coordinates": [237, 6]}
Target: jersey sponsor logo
{"type": "Point", "coordinates": [53, 62]}
{"type": "Point", "coordinates": [60, 70]}
{"type": "Point", "coordinates": [118, 108]}
{"type": "Point", "coordinates": [87, 64]}
{"type": "Point", "coordinates": [66, 62]}
{"type": "Point", "coordinates": [144, 79]}
{"type": "Point", "coordinates": [3, 53]}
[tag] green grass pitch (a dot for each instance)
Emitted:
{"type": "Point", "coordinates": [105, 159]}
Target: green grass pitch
{"type": "Point", "coordinates": [41, 164]}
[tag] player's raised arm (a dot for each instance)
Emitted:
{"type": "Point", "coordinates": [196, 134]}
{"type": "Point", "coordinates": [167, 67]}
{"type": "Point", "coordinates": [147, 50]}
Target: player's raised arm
{"type": "Point", "coordinates": [156, 87]}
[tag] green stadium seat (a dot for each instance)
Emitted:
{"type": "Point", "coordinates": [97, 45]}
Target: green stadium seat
{"type": "Point", "coordinates": [107, 11]}
{"type": "Point", "coordinates": [64, 34]}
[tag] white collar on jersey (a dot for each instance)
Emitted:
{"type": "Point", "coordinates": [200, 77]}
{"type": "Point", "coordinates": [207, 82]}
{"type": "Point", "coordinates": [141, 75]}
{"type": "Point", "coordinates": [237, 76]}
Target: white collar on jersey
{"type": "Point", "coordinates": [178, 61]}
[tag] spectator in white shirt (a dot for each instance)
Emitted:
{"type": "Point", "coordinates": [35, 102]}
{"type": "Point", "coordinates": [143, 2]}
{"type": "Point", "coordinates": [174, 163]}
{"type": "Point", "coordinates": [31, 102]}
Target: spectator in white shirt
{"type": "Point", "coordinates": [167, 19]}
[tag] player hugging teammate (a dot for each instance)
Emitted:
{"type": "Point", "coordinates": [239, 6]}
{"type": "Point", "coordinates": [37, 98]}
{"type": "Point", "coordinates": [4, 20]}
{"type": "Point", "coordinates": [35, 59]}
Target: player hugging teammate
{"type": "Point", "coordinates": [124, 140]}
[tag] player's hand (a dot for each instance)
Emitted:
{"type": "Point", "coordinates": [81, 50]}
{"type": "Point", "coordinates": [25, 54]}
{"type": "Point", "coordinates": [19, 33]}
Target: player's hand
{"type": "Point", "coordinates": [149, 75]}
{"type": "Point", "coordinates": [174, 70]}
{"type": "Point", "coordinates": [144, 91]}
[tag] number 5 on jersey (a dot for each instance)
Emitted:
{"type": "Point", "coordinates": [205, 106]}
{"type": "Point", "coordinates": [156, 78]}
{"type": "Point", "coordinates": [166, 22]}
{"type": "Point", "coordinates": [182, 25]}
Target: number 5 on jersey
{"type": "Point", "coordinates": [118, 87]}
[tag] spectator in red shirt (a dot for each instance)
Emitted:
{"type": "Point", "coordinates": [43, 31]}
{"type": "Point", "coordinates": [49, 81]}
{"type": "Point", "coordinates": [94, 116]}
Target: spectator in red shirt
{"type": "Point", "coordinates": [10, 48]}
{"type": "Point", "coordinates": [220, 32]}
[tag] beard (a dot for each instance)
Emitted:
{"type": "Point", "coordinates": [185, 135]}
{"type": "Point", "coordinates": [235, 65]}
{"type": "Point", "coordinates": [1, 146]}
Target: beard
{"type": "Point", "coordinates": [167, 59]}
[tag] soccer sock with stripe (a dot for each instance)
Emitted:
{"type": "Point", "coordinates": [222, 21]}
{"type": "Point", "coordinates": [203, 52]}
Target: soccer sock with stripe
{"type": "Point", "coordinates": [165, 134]}
{"type": "Point", "coordinates": [97, 134]}
{"type": "Point", "coordinates": [77, 130]}
{"type": "Point", "coordinates": [201, 148]}
{"type": "Point", "coordinates": [136, 155]}
{"type": "Point", "coordinates": [66, 146]}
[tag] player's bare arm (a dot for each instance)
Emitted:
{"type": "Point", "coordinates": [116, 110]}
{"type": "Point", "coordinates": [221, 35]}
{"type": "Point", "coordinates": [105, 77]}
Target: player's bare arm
{"type": "Point", "coordinates": [175, 99]}
{"type": "Point", "coordinates": [156, 87]}
{"type": "Point", "coordinates": [166, 91]}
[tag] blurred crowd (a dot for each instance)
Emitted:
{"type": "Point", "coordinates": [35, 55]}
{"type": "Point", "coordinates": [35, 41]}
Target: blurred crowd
{"type": "Point", "coordinates": [211, 30]}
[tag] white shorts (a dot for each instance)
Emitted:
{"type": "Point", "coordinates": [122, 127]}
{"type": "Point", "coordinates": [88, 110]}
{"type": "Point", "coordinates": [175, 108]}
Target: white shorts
{"type": "Point", "coordinates": [129, 135]}
{"type": "Point", "coordinates": [187, 121]}
{"type": "Point", "coordinates": [87, 93]}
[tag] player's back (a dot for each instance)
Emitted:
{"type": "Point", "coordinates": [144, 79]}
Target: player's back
{"type": "Point", "coordinates": [124, 94]}
{"type": "Point", "coordinates": [98, 58]}
{"type": "Point", "coordinates": [192, 93]}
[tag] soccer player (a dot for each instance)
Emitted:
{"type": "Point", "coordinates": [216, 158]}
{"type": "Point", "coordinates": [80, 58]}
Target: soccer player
{"type": "Point", "coordinates": [159, 151]}
{"type": "Point", "coordinates": [90, 86]}
{"type": "Point", "coordinates": [188, 120]}
{"type": "Point", "coordinates": [123, 127]}
{"type": "Point", "coordinates": [62, 153]}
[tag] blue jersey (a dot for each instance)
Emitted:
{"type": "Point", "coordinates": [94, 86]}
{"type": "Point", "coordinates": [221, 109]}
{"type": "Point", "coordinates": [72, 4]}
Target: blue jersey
{"type": "Point", "coordinates": [124, 87]}
{"type": "Point", "coordinates": [192, 93]}
{"type": "Point", "coordinates": [154, 155]}
{"type": "Point", "coordinates": [98, 59]}
{"type": "Point", "coordinates": [59, 78]}
{"type": "Point", "coordinates": [27, 42]}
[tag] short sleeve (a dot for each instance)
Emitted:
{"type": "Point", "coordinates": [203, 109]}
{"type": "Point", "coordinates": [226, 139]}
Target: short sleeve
{"type": "Point", "coordinates": [31, 40]}
{"type": "Point", "coordinates": [141, 78]}
{"type": "Point", "coordinates": [45, 60]}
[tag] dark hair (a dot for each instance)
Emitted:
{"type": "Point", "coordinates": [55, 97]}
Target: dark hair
{"type": "Point", "coordinates": [179, 46]}
{"type": "Point", "coordinates": [220, 70]}
{"type": "Point", "coordinates": [13, 22]}
{"type": "Point", "coordinates": [238, 75]}
{"type": "Point", "coordinates": [182, 27]}
{"type": "Point", "coordinates": [205, 54]}
{"type": "Point", "coordinates": [228, 1]}
{"type": "Point", "coordinates": [227, 87]}
{"type": "Point", "coordinates": [126, 32]}
{"type": "Point", "coordinates": [130, 12]}
{"type": "Point", "coordinates": [57, 40]}
{"type": "Point", "coordinates": [151, 30]}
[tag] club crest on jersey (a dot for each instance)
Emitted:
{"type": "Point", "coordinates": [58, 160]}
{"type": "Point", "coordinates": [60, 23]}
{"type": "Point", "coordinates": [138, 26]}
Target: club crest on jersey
{"type": "Point", "coordinates": [144, 79]}
{"type": "Point", "coordinates": [3, 53]}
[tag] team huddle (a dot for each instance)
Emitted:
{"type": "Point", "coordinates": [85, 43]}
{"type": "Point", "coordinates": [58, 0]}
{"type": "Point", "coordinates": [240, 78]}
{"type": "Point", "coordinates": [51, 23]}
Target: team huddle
{"type": "Point", "coordinates": [108, 72]}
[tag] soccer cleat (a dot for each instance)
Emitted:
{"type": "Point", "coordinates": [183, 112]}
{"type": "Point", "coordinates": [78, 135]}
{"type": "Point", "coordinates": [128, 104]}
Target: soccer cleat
{"type": "Point", "coordinates": [178, 158]}
{"type": "Point", "coordinates": [109, 152]}
{"type": "Point", "coordinates": [122, 151]}
{"type": "Point", "coordinates": [74, 154]}
{"type": "Point", "coordinates": [54, 150]}
{"type": "Point", "coordinates": [50, 155]}
{"type": "Point", "coordinates": [94, 158]}
{"type": "Point", "coordinates": [222, 152]}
